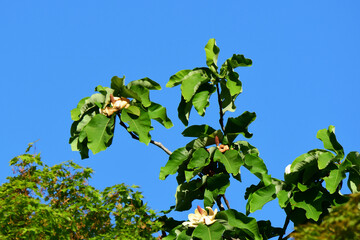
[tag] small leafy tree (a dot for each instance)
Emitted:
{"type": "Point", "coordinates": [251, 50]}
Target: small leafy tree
{"type": "Point", "coordinates": [42, 202]}
{"type": "Point", "coordinates": [204, 166]}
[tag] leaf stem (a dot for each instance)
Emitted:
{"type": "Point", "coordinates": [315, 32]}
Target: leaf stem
{"type": "Point", "coordinates": [221, 120]}
{"type": "Point", "coordinates": [287, 220]}
{"type": "Point", "coordinates": [134, 136]}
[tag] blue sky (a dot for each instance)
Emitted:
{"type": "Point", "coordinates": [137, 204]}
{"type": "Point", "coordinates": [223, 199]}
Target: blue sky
{"type": "Point", "coordinates": [305, 77]}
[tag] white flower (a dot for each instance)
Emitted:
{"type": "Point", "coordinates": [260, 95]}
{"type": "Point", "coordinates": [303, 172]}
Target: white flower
{"type": "Point", "coordinates": [287, 169]}
{"type": "Point", "coordinates": [201, 216]}
{"type": "Point", "coordinates": [121, 103]}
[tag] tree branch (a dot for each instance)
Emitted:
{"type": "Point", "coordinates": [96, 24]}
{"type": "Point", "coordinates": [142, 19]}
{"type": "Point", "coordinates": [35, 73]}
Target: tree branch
{"type": "Point", "coordinates": [226, 201]}
{"type": "Point", "coordinates": [221, 120]}
{"type": "Point", "coordinates": [287, 220]}
{"type": "Point", "coordinates": [218, 202]}
{"type": "Point", "coordinates": [134, 136]}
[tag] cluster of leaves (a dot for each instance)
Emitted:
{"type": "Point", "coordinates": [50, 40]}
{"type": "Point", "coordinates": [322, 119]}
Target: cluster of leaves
{"type": "Point", "coordinates": [42, 202]}
{"type": "Point", "coordinates": [343, 223]}
{"type": "Point", "coordinates": [203, 171]}
{"type": "Point", "coordinates": [94, 131]}
{"type": "Point", "coordinates": [304, 196]}
{"type": "Point", "coordinates": [205, 166]}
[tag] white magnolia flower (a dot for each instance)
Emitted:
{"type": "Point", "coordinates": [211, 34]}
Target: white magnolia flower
{"type": "Point", "coordinates": [201, 216]}
{"type": "Point", "coordinates": [287, 169]}
{"type": "Point", "coordinates": [117, 104]}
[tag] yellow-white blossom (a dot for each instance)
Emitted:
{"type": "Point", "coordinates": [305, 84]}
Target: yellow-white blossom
{"type": "Point", "coordinates": [117, 103]}
{"type": "Point", "coordinates": [287, 169]}
{"type": "Point", "coordinates": [201, 216]}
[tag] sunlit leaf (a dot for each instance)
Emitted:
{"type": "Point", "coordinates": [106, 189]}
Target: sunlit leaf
{"type": "Point", "coordinates": [231, 160]}
{"type": "Point", "coordinates": [201, 98]}
{"type": "Point", "coordinates": [198, 159]}
{"type": "Point", "coordinates": [192, 81]}
{"type": "Point", "coordinates": [140, 125]}
{"type": "Point", "coordinates": [158, 113]}
{"type": "Point", "coordinates": [212, 232]}
{"type": "Point", "coordinates": [327, 136]}
{"type": "Point", "coordinates": [239, 125]}
{"type": "Point", "coordinates": [198, 131]}
{"type": "Point", "coordinates": [184, 111]}
{"type": "Point", "coordinates": [186, 193]}
{"type": "Point", "coordinates": [177, 78]}
{"type": "Point", "coordinates": [260, 197]}
{"type": "Point", "coordinates": [175, 160]}
{"type": "Point", "coordinates": [100, 131]}
{"type": "Point", "coordinates": [241, 221]}
{"type": "Point", "coordinates": [257, 167]}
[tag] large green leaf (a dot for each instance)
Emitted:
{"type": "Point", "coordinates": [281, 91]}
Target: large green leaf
{"type": "Point", "coordinates": [260, 197]}
{"type": "Point", "coordinates": [212, 53]}
{"type": "Point", "coordinates": [324, 158]}
{"type": "Point", "coordinates": [184, 111]}
{"type": "Point", "coordinates": [158, 113]}
{"type": "Point", "coordinates": [327, 136]}
{"type": "Point", "coordinates": [175, 160]}
{"type": "Point", "coordinates": [177, 78]}
{"type": "Point", "coordinates": [231, 160]}
{"type": "Point", "coordinates": [233, 84]}
{"type": "Point", "coordinates": [257, 167]}
{"type": "Point", "coordinates": [198, 131]}
{"type": "Point", "coordinates": [140, 125]}
{"type": "Point", "coordinates": [227, 101]}
{"type": "Point", "coordinates": [201, 98]}
{"type": "Point", "coordinates": [215, 185]}
{"type": "Point", "coordinates": [186, 193]}
{"type": "Point", "coordinates": [241, 221]}
{"type": "Point", "coordinates": [199, 159]}
{"type": "Point", "coordinates": [354, 171]}
{"type": "Point", "coordinates": [235, 61]}
{"type": "Point", "coordinates": [100, 131]}
{"type": "Point", "coordinates": [334, 179]}
{"type": "Point", "coordinates": [212, 232]}
{"type": "Point", "coordinates": [121, 90]}
{"type": "Point", "coordinates": [192, 81]}
{"type": "Point", "coordinates": [76, 111]}
{"type": "Point", "coordinates": [106, 92]}
{"type": "Point", "coordinates": [311, 201]}
{"type": "Point", "coordinates": [146, 83]}
{"type": "Point", "coordinates": [239, 125]}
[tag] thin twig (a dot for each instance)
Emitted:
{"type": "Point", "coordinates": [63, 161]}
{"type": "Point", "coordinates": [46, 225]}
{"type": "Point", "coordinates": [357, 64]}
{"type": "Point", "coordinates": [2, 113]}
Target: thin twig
{"type": "Point", "coordinates": [221, 120]}
{"type": "Point", "coordinates": [226, 201]}
{"type": "Point", "coordinates": [287, 220]}
{"type": "Point", "coordinates": [134, 136]}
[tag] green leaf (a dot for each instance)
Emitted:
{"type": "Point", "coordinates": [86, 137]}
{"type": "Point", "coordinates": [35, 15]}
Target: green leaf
{"type": "Point", "coordinates": [212, 53]}
{"type": "Point", "coordinates": [212, 232]}
{"type": "Point", "coordinates": [106, 92]}
{"type": "Point", "coordinates": [134, 110]}
{"type": "Point", "coordinates": [334, 179]}
{"type": "Point", "coordinates": [354, 181]}
{"type": "Point", "coordinates": [201, 98]}
{"type": "Point", "coordinates": [177, 78]}
{"type": "Point", "coordinates": [184, 111]}
{"type": "Point", "coordinates": [175, 160]}
{"type": "Point", "coordinates": [215, 185]}
{"type": "Point", "coordinates": [260, 197]}
{"type": "Point", "coordinates": [140, 125]}
{"type": "Point", "coordinates": [158, 113]}
{"type": "Point", "coordinates": [198, 159]}
{"type": "Point", "coordinates": [192, 81]}
{"type": "Point", "coordinates": [231, 160]}
{"type": "Point", "coordinates": [186, 193]}
{"type": "Point", "coordinates": [324, 159]}
{"type": "Point", "coordinates": [246, 148]}
{"type": "Point", "coordinates": [239, 125]}
{"type": "Point", "coordinates": [100, 131]}
{"type": "Point", "coordinates": [198, 131]}
{"type": "Point", "coordinates": [284, 198]}
{"type": "Point", "coordinates": [257, 167]}
{"type": "Point", "coordinates": [227, 101]}
{"type": "Point", "coordinates": [204, 141]}
{"type": "Point", "coordinates": [76, 111]}
{"type": "Point", "coordinates": [146, 83]}
{"type": "Point", "coordinates": [239, 220]}
{"type": "Point", "coordinates": [233, 84]}
{"type": "Point", "coordinates": [327, 136]}
{"type": "Point", "coordinates": [235, 61]}
{"type": "Point", "coordinates": [121, 90]}
{"type": "Point", "coordinates": [311, 201]}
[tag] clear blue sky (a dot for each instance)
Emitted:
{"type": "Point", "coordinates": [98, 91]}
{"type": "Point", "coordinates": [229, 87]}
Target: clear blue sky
{"type": "Point", "coordinates": [305, 77]}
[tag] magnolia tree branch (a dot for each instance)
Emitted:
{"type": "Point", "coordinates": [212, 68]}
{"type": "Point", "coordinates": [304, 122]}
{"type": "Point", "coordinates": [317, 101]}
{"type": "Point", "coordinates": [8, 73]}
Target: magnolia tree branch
{"type": "Point", "coordinates": [287, 220]}
{"type": "Point", "coordinates": [134, 136]}
{"type": "Point", "coordinates": [226, 201]}
{"type": "Point", "coordinates": [221, 120]}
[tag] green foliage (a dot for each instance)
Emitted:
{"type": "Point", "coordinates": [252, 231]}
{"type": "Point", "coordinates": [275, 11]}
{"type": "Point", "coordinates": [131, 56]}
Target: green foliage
{"type": "Point", "coordinates": [343, 223]}
{"type": "Point", "coordinates": [205, 165]}
{"type": "Point", "coordinates": [93, 131]}
{"type": "Point", "coordinates": [42, 202]}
